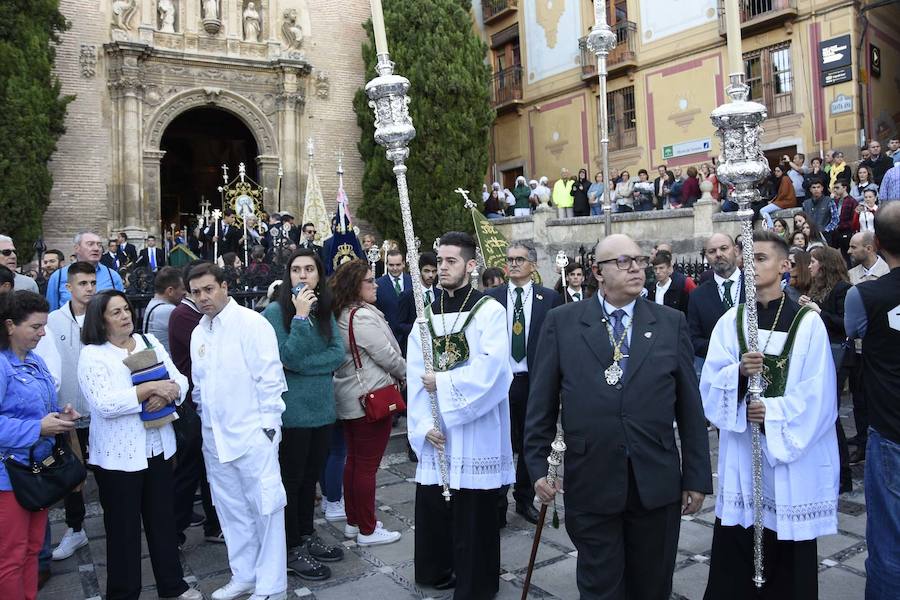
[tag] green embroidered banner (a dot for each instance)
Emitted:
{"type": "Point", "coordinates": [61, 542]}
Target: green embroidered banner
{"type": "Point", "coordinates": [492, 243]}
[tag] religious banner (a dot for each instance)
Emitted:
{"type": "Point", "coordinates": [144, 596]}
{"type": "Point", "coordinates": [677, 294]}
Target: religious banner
{"type": "Point", "coordinates": [492, 243]}
{"type": "Point", "coordinates": [314, 206]}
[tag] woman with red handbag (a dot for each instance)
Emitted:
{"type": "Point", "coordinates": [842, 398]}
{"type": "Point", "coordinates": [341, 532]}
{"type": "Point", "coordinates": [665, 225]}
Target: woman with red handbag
{"type": "Point", "coordinates": [367, 394]}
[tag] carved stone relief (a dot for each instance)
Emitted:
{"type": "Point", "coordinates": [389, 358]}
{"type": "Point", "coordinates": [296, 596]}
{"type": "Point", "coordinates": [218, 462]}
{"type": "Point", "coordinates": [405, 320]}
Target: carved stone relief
{"type": "Point", "coordinates": [123, 12]}
{"type": "Point", "coordinates": [87, 58]}
{"type": "Point", "coordinates": [252, 22]}
{"type": "Point", "coordinates": [323, 86]}
{"type": "Point", "coordinates": [166, 10]}
{"type": "Point", "coordinates": [291, 30]}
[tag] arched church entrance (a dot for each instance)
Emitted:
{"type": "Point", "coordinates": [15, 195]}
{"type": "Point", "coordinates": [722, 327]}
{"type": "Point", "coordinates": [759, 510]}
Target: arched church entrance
{"type": "Point", "coordinates": [196, 144]}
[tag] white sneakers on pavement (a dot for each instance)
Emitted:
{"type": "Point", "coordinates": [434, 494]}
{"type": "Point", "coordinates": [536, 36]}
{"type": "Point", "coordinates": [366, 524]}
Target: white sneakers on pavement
{"type": "Point", "coordinates": [233, 590]}
{"type": "Point", "coordinates": [351, 531]}
{"type": "Point", "coordinates": [378, 537]}
{"type": "Point", "coordinates": [191, 594]}
{"type": "Point", "coordinates": [281, 596]}
{"type": "Point", "coordinates": [334, 511]}
{"type": "Point", "coordinates": [70, 542]}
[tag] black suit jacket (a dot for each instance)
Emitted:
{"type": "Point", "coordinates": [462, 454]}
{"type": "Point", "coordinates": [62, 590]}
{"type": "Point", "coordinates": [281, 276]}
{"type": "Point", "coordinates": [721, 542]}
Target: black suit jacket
{"type": "Point", "coordinates": [705, 308]}
{"type": "Point", "coordinates": [607, 426]}
{"type": "Point", "coordinates": [320, 252]}
{"type": "Point", "coordinates": [108, 261]}
{"type": "Point", "coordinates": [676, 297]}
{"type": "Point", "coordinates": [408, 306]}
{"type": "Point", "coordinates": [542, 300]}
{"type": "Point", "coordinates": [144, 258]}
{"type": "Point", "coordinates": [388, 302]}
{"type": "Point", "coordinates": [129, 250]}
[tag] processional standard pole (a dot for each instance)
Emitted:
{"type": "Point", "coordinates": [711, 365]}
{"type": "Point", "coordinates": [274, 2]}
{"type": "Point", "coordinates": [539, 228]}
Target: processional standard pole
{"type": "Point", "coordinates": [601, 41]}
{"type": "Point", "coordinates": [743, 165]}
{"type": "Point", "coordinates": [394, 130]}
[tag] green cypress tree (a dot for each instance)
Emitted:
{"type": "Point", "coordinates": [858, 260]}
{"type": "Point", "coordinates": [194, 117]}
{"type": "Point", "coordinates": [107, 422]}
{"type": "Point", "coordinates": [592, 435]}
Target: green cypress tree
{"type": "Point", "coordinates": [32, 115]}
{"type": "Point", "coordinates": [433, 44]}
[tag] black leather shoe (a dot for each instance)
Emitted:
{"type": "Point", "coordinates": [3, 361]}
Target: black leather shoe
{"type": "Point", "coordinates": [528, 512]}
{"type": "Point", "coordinates": [447, 584]}
{"type": "Point", "coordinates": [858, 456]}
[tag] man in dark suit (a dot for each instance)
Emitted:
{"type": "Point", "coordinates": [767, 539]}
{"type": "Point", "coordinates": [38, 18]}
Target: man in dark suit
{"type": "Point", "coordinates": [527, 305]}
{"type": "Point", "coordinates": [308, 240]}
{"type": "Point", "coordinates": [151, 257]}
{"type": "Point", "coordinates": [126, 248]}
{"type": "Point", "coordinates": [625, 485]}
{"type": "Point", "coordinates": [714, 296]}
{"type": "Point", "coordinates": [113, 258]}
{"type": "Point", "coordinates": [430, 293]}
{"type": "Point", "coordinates": [228, 235]}
{"type": "Point", "coordinates": [572, 288]}
{"type": "Point", "coordinates": [670, 288]}
{"type": "Point", "coordinates": [659, 185]}
{"type": "Point", "coordinates": [391, 287]}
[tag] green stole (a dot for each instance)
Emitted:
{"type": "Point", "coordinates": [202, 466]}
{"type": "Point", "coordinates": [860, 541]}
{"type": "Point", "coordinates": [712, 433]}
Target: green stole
{"type": "Point", "coordinates": [449, 351]}
{"type": "Point", "coordinates": [775, 368]}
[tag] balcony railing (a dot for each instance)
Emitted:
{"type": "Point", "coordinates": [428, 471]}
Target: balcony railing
{"type": "Point", "coordinates": [759, 15]}
{"type": "Point", "coordinates": [493, 9]}
{"type": "Point", "coordinates": [624, 54]}
{"type": "Point", "coordinates": [506, 86]}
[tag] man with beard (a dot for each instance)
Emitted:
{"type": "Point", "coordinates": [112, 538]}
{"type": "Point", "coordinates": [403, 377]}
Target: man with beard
{"type": "Point", "coordinates": [458, 542]}
{"type": "Point", "coordinates": [621, 367]}
{"type": "Point", "coordinates": [715, 296]}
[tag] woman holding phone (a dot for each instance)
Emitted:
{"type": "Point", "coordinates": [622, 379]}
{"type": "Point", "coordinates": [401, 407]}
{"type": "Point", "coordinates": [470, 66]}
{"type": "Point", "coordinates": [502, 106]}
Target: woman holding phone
{"type": "Point", "coordinates": [311, 349]}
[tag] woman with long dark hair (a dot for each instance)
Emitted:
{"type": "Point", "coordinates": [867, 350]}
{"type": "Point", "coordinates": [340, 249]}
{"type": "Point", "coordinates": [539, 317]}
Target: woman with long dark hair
{"type": "Point", "coordinates": [784, 194]}
{"type": "Point", "coordinates": [827, 292]}
{"type": "Point", "coordinates": [311, 349]}
{"type": "Point", "coordinates": [579, 192]}
{"type": "Point", "coordinates": [801, 278]}
{"type": "Point", "coordinates": [354, 289]}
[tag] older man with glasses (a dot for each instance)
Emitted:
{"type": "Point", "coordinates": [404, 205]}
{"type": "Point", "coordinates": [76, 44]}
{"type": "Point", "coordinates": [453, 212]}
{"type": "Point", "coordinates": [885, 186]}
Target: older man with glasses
{"type": "Point", "coordinates": [621, 366]}
{"type": "Point", "coordinates": [10, 260]}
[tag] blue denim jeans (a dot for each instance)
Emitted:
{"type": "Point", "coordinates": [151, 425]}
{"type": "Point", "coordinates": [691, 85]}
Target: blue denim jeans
{"type": "Point", "coordinates": [46, 555]}
{"type": "Point", "coordinates": [883, 517]}
{"type": "Point", "coordinates": [596, 210]}
{"type": "Point", "coordinates": [332, 480]}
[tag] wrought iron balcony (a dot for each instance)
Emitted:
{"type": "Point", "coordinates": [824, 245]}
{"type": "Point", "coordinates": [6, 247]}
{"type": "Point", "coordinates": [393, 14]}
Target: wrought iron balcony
{"type": "Point", "coordinates": [506, 87]}
{"type": "Point", "coordinates": [624, 55]}
{"type": "Point", "coordinates": [760, 15]}
{"type": "Point", "coordinates": [495, 9]}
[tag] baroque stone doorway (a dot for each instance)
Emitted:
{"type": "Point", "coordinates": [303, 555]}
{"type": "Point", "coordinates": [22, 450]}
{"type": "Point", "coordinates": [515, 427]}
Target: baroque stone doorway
{"type": "Point", "coordinates": [196, 145]}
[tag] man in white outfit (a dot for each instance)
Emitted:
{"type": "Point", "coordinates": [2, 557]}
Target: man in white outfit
{"type": "Point", "coordinates": [238, 382]}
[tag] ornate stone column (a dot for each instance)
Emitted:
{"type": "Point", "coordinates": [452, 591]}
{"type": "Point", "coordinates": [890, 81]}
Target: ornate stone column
{"type": "Point", "coordinates": [126, 89]}
{"type": "Point", "coordinates": [153, 191]}
{"type": "Point", "coordinates": [290, 102]}
{"type": "Point", "coordinates": [268, 178]}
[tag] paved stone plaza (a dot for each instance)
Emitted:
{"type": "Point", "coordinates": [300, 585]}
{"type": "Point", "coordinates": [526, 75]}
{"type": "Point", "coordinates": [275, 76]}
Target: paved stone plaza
{"type": "Point", "coordinates": [386, 572]}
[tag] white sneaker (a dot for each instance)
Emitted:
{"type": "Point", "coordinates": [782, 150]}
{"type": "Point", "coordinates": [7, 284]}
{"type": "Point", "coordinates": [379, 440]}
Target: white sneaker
{"type": "Point", "coordinates": [279, 596]}
{"type": "Point", "coordinates": [378, 537]}
{"type": "Point", "coordinates": [334, 511]}
{"type": "Point", "coordinates": [351, 531]}
{"type": "Point", "coordinates": [191, 594]}
{"type": "Point", "coordinates": [232, 590]}
{"type": "Point", "coordinates": [69, 543]}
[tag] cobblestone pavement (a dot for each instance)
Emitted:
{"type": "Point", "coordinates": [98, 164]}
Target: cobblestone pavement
{"type": "Point", "coordinates": [386, 572]}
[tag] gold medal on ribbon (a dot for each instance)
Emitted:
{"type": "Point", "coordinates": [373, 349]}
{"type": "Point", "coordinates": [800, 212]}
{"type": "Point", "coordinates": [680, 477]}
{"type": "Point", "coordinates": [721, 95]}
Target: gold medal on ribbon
{"type": "Point", "coordinates": [517, 328]}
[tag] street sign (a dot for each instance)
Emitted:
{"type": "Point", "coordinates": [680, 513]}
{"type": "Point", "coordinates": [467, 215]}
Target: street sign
{"type": "Point", "coordinates": [837, 76]}
{"type": "Point", "coordinates": [685, 148]}
{"type": "Point", "coordinates": [835, 53]}
{"type": "Point", "coordinates": [841, 104]}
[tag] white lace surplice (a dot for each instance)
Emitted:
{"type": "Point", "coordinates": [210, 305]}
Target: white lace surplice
{"type": "Point", "coordinates": [800, 456]}
{"type": "Point", "coordinates": [473, 403]}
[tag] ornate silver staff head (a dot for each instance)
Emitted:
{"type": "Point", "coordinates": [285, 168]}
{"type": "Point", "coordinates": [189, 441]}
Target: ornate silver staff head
{"type": "Point", "coordinates": [557, 450]}
{"type": "Point", "coordinates": [562, 261]}
{"type": "Point", "coordinates": [373, 254]}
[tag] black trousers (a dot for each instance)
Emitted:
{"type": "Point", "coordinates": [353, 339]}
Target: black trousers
{"type": "Point", "coordinates": [628, 555]}
{"type": "Point", "coordinates": [843, 449]}
{"type": "Point", "coordinates": [790, 568]}
{"type": "Point", "coordinates": [302, 455]}
{"type": "Point", "coordinates": [74, 501]}
{"type": "Point", "coordinates": [860, 409]}
{"type": "Point", "coordinates": [127, 500]}
{"type": "Point", "coordinates": [523, 491]}
{"type": "Point", "coordinates": [460, 537]}
{"type": "Point", "coordinates": [190, 470]}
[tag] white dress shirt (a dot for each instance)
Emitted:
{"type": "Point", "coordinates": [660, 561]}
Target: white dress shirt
{"type": "Point", "coordinates": [118, 439]}
{"type": "Point", "coordinates": [661, 290]}
{"type": "Point", "coordinates": [735, 289]}
{"type": "Point", "coordinates": [572, 293]}
{"type": "Point", "coordinates": [527, 291]}
{"type": "Point", "coordinates": [238, 378]}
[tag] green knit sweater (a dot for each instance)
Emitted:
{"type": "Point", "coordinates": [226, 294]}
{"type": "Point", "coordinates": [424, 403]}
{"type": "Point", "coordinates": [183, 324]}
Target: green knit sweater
{"type": "Point", "coordinates": [309, 362]}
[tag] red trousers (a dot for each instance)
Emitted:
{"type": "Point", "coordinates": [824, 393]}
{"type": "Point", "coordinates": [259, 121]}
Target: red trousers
{"type": "Point", "coordinates": [20, 543]}
{"type": "Point", "coordinates": [366, 443]}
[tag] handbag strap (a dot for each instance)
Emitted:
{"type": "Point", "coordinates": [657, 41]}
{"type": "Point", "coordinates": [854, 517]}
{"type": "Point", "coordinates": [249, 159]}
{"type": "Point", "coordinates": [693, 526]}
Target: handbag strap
{"type": "Point", "coordinates": [146, 341]}
{"type": "Point", "coordinates": [354, 349]}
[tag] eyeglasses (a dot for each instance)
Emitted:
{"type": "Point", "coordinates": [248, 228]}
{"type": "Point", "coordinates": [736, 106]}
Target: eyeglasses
{"type": "Point", "coordinates": [516, 260]}
{"type": "Point", "coordinates": [8, 251]}
{"type": "Point", "coordinates": [623, 263]}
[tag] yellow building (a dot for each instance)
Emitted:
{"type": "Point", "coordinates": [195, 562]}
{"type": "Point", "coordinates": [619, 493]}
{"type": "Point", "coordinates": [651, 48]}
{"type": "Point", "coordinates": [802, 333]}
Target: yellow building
{"type": "Point", "coordinates": [808, 61]}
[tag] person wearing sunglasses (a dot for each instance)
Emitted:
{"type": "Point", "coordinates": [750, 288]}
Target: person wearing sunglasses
{"type": "Point", "coordinates": [9, 259]}
{"type": "Point", "coordinates": [308, 240]}
{"type": "Point", "coordinates": [622, 367]}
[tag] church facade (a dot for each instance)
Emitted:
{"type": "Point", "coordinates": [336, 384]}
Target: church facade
{"type": "Point", "coordinates": [169, 91]}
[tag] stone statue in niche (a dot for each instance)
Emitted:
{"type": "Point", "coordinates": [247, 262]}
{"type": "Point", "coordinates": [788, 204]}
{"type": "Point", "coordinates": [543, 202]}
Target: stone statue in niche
{"type": "Point", "coordinates": [122, 13]}
{"type": "Point", "coordinates": [211, 9]}
{"type": "Point", "coordinates": [252, 27]}
{"type": "Point", "coordinates": [166, 9]}
{"type": "Point", "coordinates": [293, 33]}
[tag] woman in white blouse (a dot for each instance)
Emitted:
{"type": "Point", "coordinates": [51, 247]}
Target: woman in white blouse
{"type": "Point", "coordinates": [131, 461]}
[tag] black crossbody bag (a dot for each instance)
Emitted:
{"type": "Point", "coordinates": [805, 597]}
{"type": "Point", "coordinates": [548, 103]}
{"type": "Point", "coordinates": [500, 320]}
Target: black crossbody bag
{"type": "Point", "coordinates": [41, 484]}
